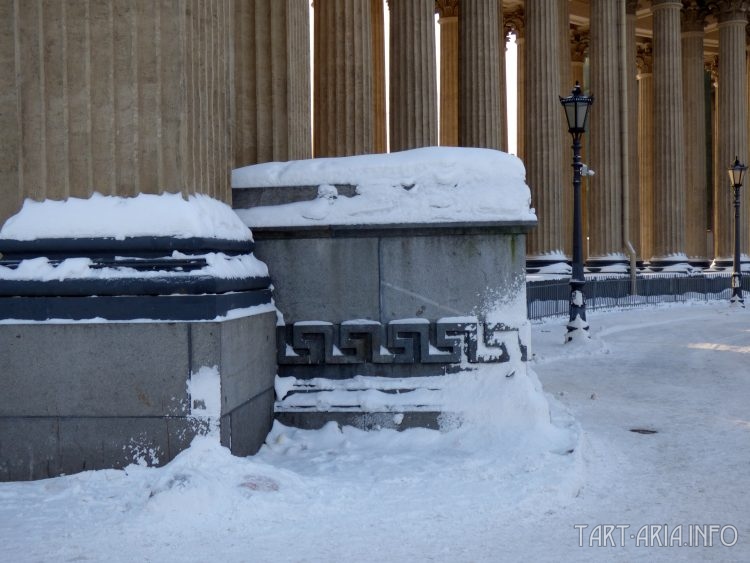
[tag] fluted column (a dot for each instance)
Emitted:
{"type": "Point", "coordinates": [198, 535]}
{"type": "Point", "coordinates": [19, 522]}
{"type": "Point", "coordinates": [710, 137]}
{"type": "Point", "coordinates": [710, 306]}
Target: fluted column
{"type": "Point", "coordinates": [579, 46]}
{"type": "Point", "coordinates": [566, 83]}
{"type": "Point", "coordinates": [413, 112]}
{"type": "Point", "coordinates": [448, 20]}
{"type": "Point", "coordinates": [631, 91]}
{"type": "Point", "coordinates": [732, 121]}
{"type": "Point", "coordinates": [272, 81]}
{"type": "Point", "coordinates": [646, 147]}
{"type": "Point", "coordinates": [343, 70]}
{"type": "Point", "coordinates": [543, 153]}
{"type": "Point", "coordinates": [121, 98]}
{"type": "Point", "coordinates": [379, 135]}
{"type": "Point", "coordinates": [605, 195]}
{"type": "Point", "coordinates": [479, 122]}
{"type": "Point", "coordinates": [669, 136]}
{"type": "Point", "coordinates": [514, 22]}
{"type": "Point", "coordinates": [695, 134]}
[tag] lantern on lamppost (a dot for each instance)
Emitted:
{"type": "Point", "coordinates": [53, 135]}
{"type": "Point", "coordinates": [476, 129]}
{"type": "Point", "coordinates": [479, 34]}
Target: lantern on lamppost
{"type": "Point", "coordinates": [577, 107]}
{"type": "Point", "coordinates": [736, 177]}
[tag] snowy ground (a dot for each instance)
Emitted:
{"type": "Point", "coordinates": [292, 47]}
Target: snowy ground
{"type": "Point", "coordinates": [471, 495]}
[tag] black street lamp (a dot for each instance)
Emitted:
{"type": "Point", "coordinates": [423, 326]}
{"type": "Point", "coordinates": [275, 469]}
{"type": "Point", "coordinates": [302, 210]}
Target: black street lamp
{"type": "Point", "coordinates": [577, 112]}
{"type": "Point", "coordinates": [736, 176]}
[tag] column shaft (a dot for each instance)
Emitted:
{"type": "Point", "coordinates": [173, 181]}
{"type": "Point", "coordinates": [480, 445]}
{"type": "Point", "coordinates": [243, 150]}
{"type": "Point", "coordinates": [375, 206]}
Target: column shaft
{"type": "Point", "coordinates": [696, 204]}
{"type": "Point", "coordinates": [272, 81]}
{"type": "Point", "coordinates": [413, 112]}
{"type": "Point", "coordinates": [732, 122]}
{"type": "Point", "coordinates": [631, 91]}
{"type": "Point", "coordinates": [343, 104]}
{"type": "Point", "coordinates": [605, 194]}
{"type": "Point", "coordinates": [480, 124]}
{"type": "Point", "coordinates": [544, 118]}
{"type": "Point", "coordinates": [669, 136]}
{"type": "Point", "coordinates": [120, 98]}
{"type": "Point", "coordinates": [448, 12]}
{"type": "Point", "coordinates": [646, 158]}
{"type": "Point", "coordinates": [380, 141]}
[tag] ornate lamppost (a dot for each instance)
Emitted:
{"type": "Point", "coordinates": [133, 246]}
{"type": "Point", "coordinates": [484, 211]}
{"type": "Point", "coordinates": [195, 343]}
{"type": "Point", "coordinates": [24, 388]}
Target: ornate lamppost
{"type": "Point", "coordinates": [577, 112]}
{"type": "Point", "coordinates": [736, 176]}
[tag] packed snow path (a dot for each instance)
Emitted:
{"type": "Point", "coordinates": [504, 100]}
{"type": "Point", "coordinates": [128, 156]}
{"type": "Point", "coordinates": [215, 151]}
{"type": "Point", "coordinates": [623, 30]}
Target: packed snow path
{"type": "Point", "coordinates": [480, 496]}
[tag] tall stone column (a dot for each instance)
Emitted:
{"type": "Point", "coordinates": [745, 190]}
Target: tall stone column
{"type": "Point", "coordinates": [646, 146]}
{"type": "Point", "coordinates": [448, 20]}
{"type": "Point", "coordinates": [379, 135]}
{"type": "Point", "coordinates": [631, 91]}
{"type": "Point", "coordinates": [732, 122]}
{"type": "Point", "coordinates": [479, 120]}
{"type": "Point", "coordinates": [605, 195]}
{"type": "Point", "coordinates": [272, 81]}
{"type": "Point", "coordinates": [566, 84]}
{"type": "Point", "coordinates": [342, 81]}
{"type": "Point", "coordinates": [669, 136]}
{"type": "Point", "coordinates": [413, 112]}
{"type": "Point", "coordinates": [696, 204]}
{"type": "Point", "coordinates": [513, 22]}
{"type": "Point", "coordinates": [543, 153]}
{"type": "Point", "coordinates": [579, 46]}
{"type": "Point", "coordinates": [118, 98]}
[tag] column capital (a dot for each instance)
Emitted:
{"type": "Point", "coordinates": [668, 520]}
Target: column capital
{"type": "Point", "coordinates": [666, 4]}
{"type": "Point", "coordinates": [693, 16]}
{"type": "Point", "coordinates": [513, 22]}
{"type": "Point", "coordinates": [579, 44]}
{"type": "Point", "coordinates": [446, 8]}
{"type": "Point", "coordinates": [731, 11]}
{"type": "Point", "coordinates": [645, 58]}
{"type": "Point", "coordinates": [631, 7]}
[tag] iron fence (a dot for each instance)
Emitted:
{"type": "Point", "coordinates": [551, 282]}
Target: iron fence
{"type": "Point", "coordinates": [547, 298]}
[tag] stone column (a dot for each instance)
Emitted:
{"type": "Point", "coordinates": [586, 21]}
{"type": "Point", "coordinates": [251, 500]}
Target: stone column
{"type": "Point", "coordinates": [544, 117]}
{"type": "Point", "coordinates": [579, 46]}
{"type": "Point", "coordinates": [513, 22]}
{"type": "Point", "coordinates": [646, 147]}
{"type": "Point", "coordinates": [696, 204]}
{"type": "Point", "coordinates": [732, 122]}
{"type": "Point", "coordinates": [669, 136]}
{"type": "Point", "coordinates": [342, 81]}
{"type": "Point", "coordinates": [272, 81]}
{"type": "Point", "coordinates": [448, 20]}
{"type": "Point", "coordinates": [413, 112]}
{"type": "Point", "coordinates": [380, 141]}
{"type": "Point", "coordinates": [118, 98]}
{"type": "Point", "coordinates": [631, 91]}
{"type": "Point", "coordinates": [566, 84]}
{"type": "Point", "coordinates": [480, 123]}
{"type": "Point", "coordinates": [605, 195]}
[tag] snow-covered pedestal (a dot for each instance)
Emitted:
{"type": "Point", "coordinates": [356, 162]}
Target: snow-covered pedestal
{"type": "Point", "coordinates": [395, 275]}
{"type": "Point", "coordinates": [112, 311]}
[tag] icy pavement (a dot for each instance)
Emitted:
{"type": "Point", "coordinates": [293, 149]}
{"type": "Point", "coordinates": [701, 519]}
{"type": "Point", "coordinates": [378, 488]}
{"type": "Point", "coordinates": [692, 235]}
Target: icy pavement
{"type": "Point", "coordinates": [466, 495]}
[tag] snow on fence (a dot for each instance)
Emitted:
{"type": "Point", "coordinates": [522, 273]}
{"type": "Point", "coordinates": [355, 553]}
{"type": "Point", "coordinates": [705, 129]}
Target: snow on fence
{"type": "Point", "coordinates": [548, 298]}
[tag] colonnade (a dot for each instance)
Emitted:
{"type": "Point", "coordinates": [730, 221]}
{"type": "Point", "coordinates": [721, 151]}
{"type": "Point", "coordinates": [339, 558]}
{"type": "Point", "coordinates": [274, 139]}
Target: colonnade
{"type": "Point", "coordinates": [126, 98]}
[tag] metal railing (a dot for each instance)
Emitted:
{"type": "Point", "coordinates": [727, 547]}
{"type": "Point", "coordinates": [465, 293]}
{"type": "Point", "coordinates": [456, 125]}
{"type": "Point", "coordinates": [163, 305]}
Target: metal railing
{"type": "Point", "coordinates": [547, 298]}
